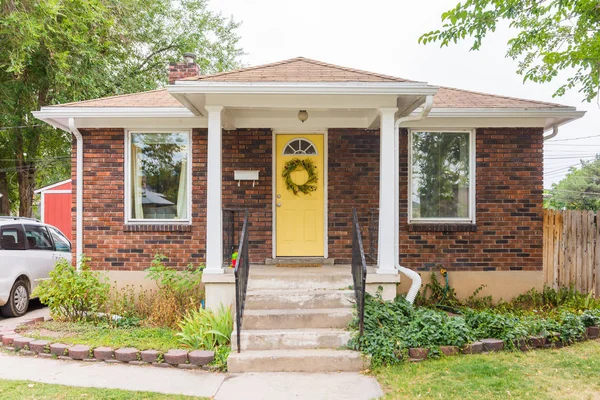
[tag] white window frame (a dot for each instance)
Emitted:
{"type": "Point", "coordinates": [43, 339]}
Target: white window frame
{"type": "Point", "coordinates": [127, 173]}
{"type": "Point", "coordinates": [472, 180]}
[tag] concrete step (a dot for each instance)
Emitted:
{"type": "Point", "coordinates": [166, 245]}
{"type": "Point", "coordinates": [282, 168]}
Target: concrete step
{"type": "Point", "coordinates": [296, 361]}
{"type": "Point", "coordinates": [327, 277]}
{"type": "Point", "coordinates": [297, 318]}
{"type": "Point", "coordinates": [298, 298]}
{"type": "Point", "coordinates": [292, 339]}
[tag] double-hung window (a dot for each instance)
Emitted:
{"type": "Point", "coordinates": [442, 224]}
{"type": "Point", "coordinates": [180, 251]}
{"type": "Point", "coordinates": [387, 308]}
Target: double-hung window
{"type": "Point", "coordinates": [158, 177]}
{"type": "Point", "coordinates": [442, 172]}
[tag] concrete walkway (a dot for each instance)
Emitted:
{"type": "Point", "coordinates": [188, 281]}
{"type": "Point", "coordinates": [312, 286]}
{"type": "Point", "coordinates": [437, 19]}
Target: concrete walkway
{"type": "Point", "coordinates": [276, 386]}
{"type": "Point", "coordinates": [35, 310]}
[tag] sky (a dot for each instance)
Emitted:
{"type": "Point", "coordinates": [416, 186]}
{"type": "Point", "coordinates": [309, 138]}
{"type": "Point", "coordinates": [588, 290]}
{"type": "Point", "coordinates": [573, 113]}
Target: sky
{"type": "Point", "coordinates": [382, 36]}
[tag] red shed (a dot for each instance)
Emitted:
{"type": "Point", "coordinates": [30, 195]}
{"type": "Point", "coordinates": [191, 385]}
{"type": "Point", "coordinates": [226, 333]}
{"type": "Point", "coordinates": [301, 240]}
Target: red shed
{"type": "Point", "coordinates": [55, 206]}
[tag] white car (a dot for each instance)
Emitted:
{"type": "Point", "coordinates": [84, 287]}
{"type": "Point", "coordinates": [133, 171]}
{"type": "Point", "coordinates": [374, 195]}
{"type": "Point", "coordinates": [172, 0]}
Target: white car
{"type": "Point", "coordinates": [29, 250]}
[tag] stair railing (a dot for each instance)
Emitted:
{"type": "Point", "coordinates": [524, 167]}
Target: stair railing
{"type": "Point", "coordinates": [241, 270]}
{"type": "Point", "coordinates": [359, 271]}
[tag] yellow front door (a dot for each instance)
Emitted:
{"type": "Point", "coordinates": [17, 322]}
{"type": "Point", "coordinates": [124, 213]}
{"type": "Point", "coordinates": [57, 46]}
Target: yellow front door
{"type": "Point", "coordinates": [300, 218]}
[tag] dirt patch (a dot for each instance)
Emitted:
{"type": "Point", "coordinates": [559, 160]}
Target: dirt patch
{"type": "Point", "coordinates": [42, 332]}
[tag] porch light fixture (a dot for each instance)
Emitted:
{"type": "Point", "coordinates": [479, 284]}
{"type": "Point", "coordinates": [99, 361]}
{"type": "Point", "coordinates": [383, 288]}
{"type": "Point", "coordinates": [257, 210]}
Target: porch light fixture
{"type": "Point", "coordinates": [302, 115]}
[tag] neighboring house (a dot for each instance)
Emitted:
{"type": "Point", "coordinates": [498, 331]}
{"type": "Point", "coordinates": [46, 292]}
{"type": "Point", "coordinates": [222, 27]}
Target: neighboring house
{"type": "Point", "coordinates": [456, 175]}
{"type": "Point", "coordinates": [55, 206]}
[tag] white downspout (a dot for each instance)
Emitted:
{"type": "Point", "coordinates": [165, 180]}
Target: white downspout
{"type": "Point", "coordinates": [79, 194]}
{"type": "Point", "coordinates": [414, 276]}
{"type": "Point", "coordinates": [553, 134]}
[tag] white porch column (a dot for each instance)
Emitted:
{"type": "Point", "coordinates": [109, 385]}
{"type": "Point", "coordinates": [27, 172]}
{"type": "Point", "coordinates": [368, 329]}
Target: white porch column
{"type": "Point", "coordinates": [214, 212]}
{"type": "Point", "coordinates": [388, 194]}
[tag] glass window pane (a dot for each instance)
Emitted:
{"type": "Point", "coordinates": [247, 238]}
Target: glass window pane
{"type": "Point", "coordinates": [159, 176]}
{"type": "Point", "coordinates": [60, 241]}
{"type": "Point", "coordinates": [38, 238]}
{"type": "Point", "coordinates": [12, 238]}
{"type": "Point", "coordinates": [440, 175]}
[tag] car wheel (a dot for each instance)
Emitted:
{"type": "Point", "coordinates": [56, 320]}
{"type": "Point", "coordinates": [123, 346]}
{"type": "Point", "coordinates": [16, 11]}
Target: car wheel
{"type": "Point", "coordinates": [19, 300]}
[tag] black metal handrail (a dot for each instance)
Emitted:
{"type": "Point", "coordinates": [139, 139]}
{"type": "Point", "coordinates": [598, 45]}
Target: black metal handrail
{"type": "Point", "coordinates": [231, 225]}
{"type": "Point", "coordinates": [359, 271]}
{"type": "Point", "coordinates": [241, 270]}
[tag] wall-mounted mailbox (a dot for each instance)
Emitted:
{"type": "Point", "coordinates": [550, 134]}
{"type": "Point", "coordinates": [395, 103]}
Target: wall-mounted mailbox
{"type": "Point", "coordinates": [245, 176]}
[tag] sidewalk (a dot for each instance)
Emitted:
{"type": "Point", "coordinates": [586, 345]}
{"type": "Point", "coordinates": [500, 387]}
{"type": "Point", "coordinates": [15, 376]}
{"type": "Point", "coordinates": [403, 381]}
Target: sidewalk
{"type": "Point", "coordinates": [279, 386]}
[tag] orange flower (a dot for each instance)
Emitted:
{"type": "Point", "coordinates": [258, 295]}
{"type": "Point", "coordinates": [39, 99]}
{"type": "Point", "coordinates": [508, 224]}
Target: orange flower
{"type": "Point", "coordinates": [443, 272]}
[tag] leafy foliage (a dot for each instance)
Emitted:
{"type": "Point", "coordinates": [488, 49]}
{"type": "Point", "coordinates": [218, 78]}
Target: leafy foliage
{"type": "Point", "coordinates": [73, 295]}
{"type": "Point", "coordinates": [297, 164]}
{"type": "Point", "coordinates": [553, 36]}
{"type": "Point", "coordinates": [392, 327]}
{"type": "Point", "coordinates": [69, 50]}
{"type": "Point", "coordinates": [578, 190]}
{"type": "Point", "coordinates": [206, 329]}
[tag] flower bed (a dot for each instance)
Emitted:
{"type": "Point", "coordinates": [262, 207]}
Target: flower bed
{"type": "Point", "coordinates": [397, 331]}
{"type": "Point", "coordinates": [13, 341]}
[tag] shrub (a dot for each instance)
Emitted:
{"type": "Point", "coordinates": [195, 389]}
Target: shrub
{"type": "Point", "coordinates": [73, 295]}
{"type": "Point", "coordinates": [206, 329]}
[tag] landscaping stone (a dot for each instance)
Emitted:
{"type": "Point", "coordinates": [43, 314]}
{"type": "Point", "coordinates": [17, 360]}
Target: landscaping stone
{"type": "Point", "coordinates": [537, 341]}
{"type": "Point", "coordinates": [104, 353]}
{"type": "Point", "coordinates": [418, 353]}
{"type": "Point", "coordinates": [7, 333]}
{"type": "Point", "coordinates": [188, 366]}
{"type": "Point", "coordinates": [45, 355]}
{"type": "Point", "coordinates": [592, 332]}
{"type": "Point", "coordinates": [201, 357]}
{"type": "Point", "coordinates": [473, 348]}
{"type": "Point", "coordinates": [79, 352]}
{"type": "Point", "coordinates": [21, 342]}
{"type": "Point", "coordinates": [26, 353]}
{"type": "Point", "coordinates": [126, 354]}
{"type": "Point", "coordinates": [113, 361]}
{"type": "Point", "coordinates": [162, 365]}
{"type": "Point", "coordinates": [449, 350]}
{"type": "Point", "coordinates": [137, 362]}
{"type": "Point", "coordinates": [90, 360]}
{"type": "Point", "coordinates": [38, 319]}
{"type": "Point", "coordinates": [176, 357]}
{"type": "Point", "coordinates": [65, 358]}
{"type": "Point", "coordinates": [58, 349]}
{"type": "Point", "coordinates": [8, 340]}
{"type": "Point", "coordinates": [149, 356]}
{"type": "Point", "coordinates": [9, 348]}
{"type": "Point", "coordinates": [39, 346]}
{"type": "Point", "coordinates": [521, 344]}
{"type": "Point", "coordinates": [492, 344]}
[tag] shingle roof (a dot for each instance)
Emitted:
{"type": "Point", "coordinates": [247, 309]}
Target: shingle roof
{"type": "Point", "coordinates": [298, 69]}
{"type": "Point", "coordinates": [153, 98]}
{"type": "Point", "coordinates": [306, 70]}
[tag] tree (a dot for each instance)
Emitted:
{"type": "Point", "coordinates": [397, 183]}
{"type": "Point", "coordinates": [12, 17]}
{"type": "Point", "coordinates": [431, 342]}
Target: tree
{"type": "Point", "coordinates": [579, 190]}
{"type": "Point", "coordinates": [552, 36]}
{"type": "Point", "coordinates": [56, 51]}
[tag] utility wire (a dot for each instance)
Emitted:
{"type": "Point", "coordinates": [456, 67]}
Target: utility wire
{"type": "Point", "coordinates": [570, 139]}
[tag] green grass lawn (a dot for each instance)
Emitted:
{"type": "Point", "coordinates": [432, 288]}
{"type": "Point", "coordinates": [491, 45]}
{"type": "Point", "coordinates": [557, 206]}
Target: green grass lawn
{"type": "Point", "coordinates": [568, 373]}
{"type": "Point", "coordinates": [40, 391]}
{"type": "Point", "coordinates": [142, 338]}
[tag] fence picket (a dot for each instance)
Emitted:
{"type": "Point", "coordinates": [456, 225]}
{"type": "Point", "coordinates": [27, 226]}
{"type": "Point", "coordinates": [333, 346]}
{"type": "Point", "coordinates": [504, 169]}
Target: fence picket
{"type": "Point", "coordinates": [571, 254]}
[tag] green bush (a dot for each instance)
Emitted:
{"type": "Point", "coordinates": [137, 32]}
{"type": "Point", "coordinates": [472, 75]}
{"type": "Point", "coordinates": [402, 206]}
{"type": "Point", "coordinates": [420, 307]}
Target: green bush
{"type": "Point", "coordinates": [73, 295]}
{"type": "Point", "coordinates": [206, 329]}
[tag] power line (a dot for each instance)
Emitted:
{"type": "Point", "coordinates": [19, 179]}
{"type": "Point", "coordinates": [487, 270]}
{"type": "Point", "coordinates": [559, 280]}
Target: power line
{"type": "Point", "coordinates": [578, 138]}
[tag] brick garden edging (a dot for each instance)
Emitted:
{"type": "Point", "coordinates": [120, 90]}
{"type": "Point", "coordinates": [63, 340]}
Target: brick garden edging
{"type": "Point", "coordinates": [494, 345]}
{"type": "Point", "coordinates": [183, 359]}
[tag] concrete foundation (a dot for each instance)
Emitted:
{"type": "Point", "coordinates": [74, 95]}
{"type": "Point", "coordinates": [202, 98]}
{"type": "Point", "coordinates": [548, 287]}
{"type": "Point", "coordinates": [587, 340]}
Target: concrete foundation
{"type": "Point", "coordinates": [219, 289]}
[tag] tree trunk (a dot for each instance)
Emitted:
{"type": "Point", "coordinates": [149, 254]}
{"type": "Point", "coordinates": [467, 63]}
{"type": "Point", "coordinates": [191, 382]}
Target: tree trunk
{"type": "Point", "coordinates": [26, 178]}
{"type": "Point", "coordinates": [4, 200]}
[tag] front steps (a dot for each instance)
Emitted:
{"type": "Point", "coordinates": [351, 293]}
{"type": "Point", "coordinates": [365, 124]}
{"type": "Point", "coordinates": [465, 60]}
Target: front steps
{"type": "Point", "coordinates": [296, 320]}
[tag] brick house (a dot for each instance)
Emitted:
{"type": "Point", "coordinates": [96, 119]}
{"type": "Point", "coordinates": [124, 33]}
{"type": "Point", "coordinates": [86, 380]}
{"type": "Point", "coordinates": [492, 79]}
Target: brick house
{"type": "Point", "coordinates": [442, 176]}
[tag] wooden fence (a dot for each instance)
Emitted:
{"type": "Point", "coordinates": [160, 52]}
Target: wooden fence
{"type": "Point", "coordinates": [572, 250]}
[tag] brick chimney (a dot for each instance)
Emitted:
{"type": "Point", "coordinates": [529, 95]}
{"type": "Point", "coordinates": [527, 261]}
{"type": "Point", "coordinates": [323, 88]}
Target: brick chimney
{"type": "Point", "coordinates": [185, 69]}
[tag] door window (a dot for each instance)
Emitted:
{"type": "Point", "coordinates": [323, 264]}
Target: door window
{"type": "Point", "coordinates": [60, 241]}
{"type": "Point", "coordinates": [12, 237]}
{"type": "Point", "coordinates": [38, 238]}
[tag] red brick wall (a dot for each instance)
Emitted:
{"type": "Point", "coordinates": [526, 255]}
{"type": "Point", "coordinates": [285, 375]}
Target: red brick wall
{"type": "Point", "coordinates": [353, 181]}
{"type": "Point", "coordinates": [105, 239]}
{"type": "Point", "coordinates": [509, 191]}
{"type": "Point", "coordinates": [509, 181]}
{"type": "Point", "coordinates": [246, 149]}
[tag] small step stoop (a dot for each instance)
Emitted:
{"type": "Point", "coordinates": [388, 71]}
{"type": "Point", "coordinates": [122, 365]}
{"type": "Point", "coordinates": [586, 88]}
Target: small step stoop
{"type": "Point", "coordinates": [296, 320]}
